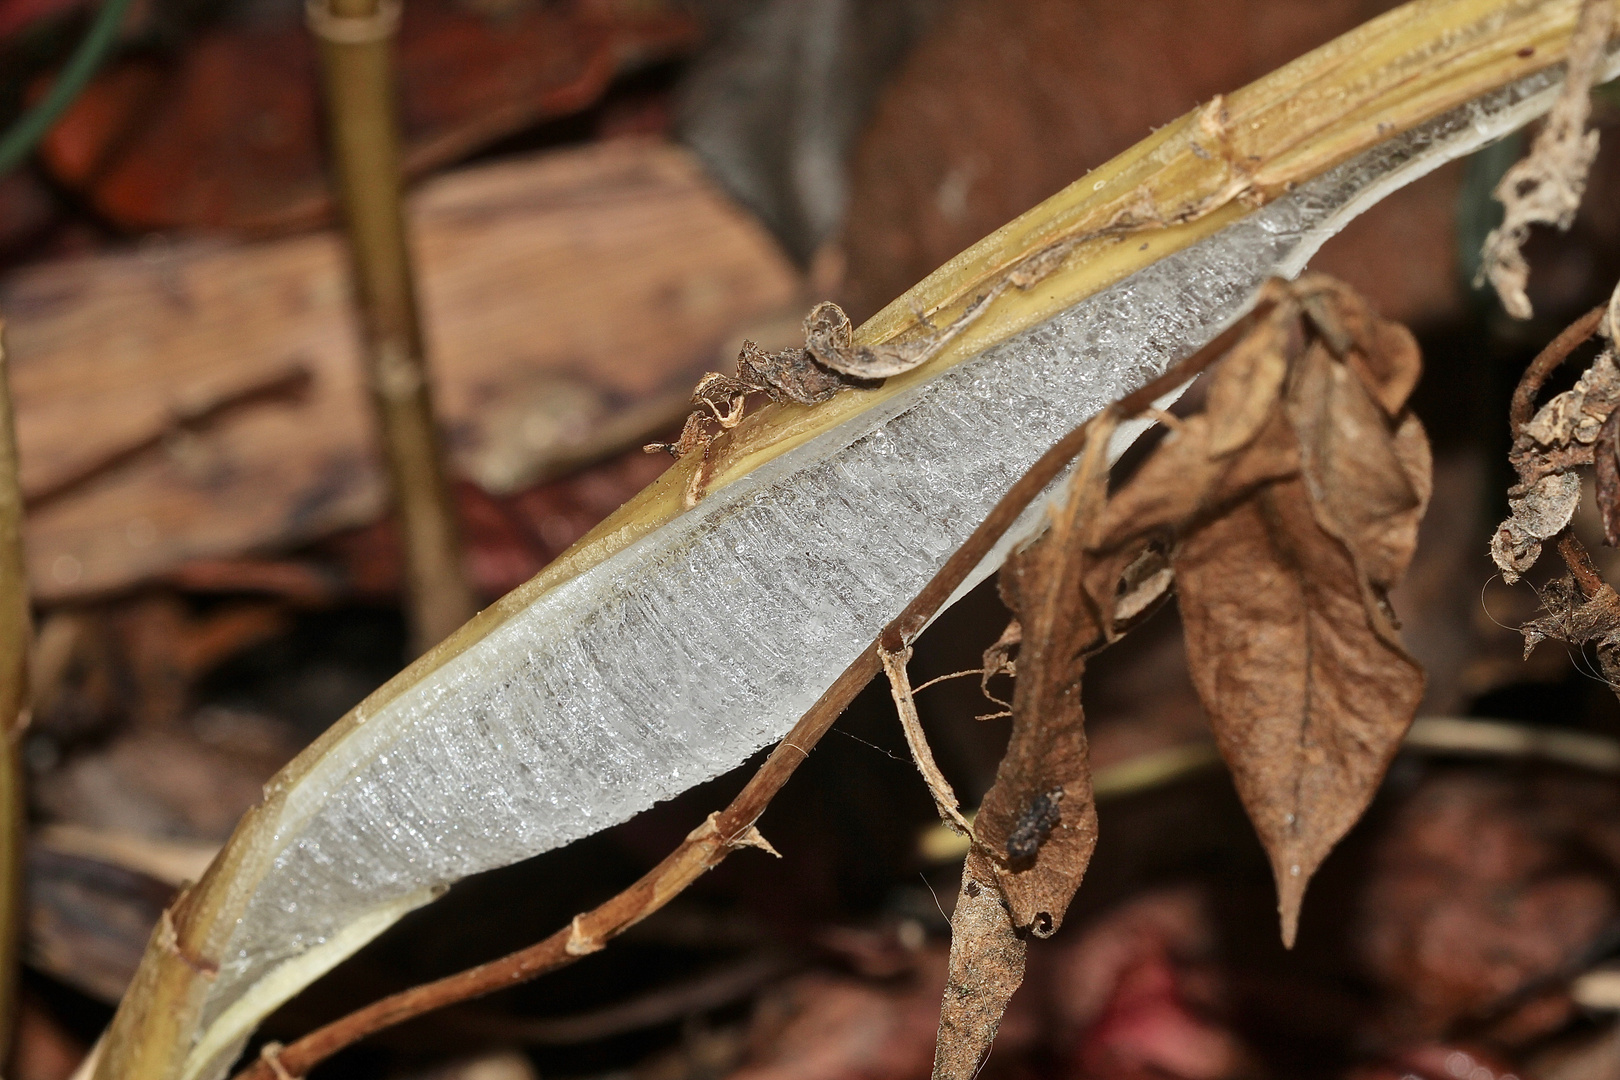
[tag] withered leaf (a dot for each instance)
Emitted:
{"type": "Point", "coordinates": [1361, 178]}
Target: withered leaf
{"type": "Point", "coordinates": [1021, 874]}
{"type": "Point", "coordinates": [1308, 701]}
{"type": "Point", "coordinates": [1046, 754]}
{"type": "Point", "coordinates": [1565, 433]}
{"type": "Point", "coordinates": [1368, 486]}
{"type": "Point", "coordinates": [829, 337]}
{"type": "Point", "coordinates": [986, 967]}
{"type": "Point", "coordinates": [1296, 509]}
{"type": "Point", "coordinates": [1534, 516]}
{"type": "Point", "coordinates": [1383, 354]}
{"type": "Point", "coordinates": [1184, 481]}
{"type": "Point", "coordinates": [1243, 389]}
{"type": "Point", "coordinates": [1575, 415]}
{"type": "Point", "coordinates": [1579, 619]}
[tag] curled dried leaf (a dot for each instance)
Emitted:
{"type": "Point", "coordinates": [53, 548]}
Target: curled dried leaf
{"type": "Point", "coordinates": [1545, 188]}
{"type": "Point", "coordinates": [1535, 516]}
{"type": "Point", "coordinates": [1368, 484]}
{"type": "Point", "coordinates": [1243, 389]}
{"type": "Point", "coordinates": [986, 967]}
{"type": "Point", "coordinates": [829, 339]}
{"type": "Point", "coordinates": [998, 659]}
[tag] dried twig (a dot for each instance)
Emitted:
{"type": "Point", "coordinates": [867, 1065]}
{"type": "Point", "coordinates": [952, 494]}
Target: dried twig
{"type": "Point", "coordinates": [733, 827]}
{"type": "Point", "coordinates": [945, 800]}
{"type": "Point", "coordinates": [701, 993]}
{"type": "Point", "coordinates": [355, 38]}
{"type": "Point", "coordinates": [1546, 362]}
{"type": "Point", "coordinates": [1545, 188]}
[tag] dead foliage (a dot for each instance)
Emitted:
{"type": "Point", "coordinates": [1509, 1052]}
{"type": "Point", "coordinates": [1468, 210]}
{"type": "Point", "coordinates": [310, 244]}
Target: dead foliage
{"type": "Point", "coordinates": [830, 361]}
{"type": "Point", "coordinates": [1283, 513]}
{"type": "Point", "coordinates": [1545, 187]}
{"type": "Point", "coordinates": [1576, 428]}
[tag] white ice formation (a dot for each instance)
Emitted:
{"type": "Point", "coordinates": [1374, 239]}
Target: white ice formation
{"type": "Point", "coordinates": [677, 658]}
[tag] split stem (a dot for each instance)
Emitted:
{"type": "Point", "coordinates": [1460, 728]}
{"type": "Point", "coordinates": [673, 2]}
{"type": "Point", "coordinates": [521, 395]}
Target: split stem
{"type": "Point", "coordinates": [726, 831]}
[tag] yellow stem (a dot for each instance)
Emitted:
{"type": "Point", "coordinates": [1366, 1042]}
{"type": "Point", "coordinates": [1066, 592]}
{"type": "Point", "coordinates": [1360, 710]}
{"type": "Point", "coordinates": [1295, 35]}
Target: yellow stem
{"type": "Point", "coordinates": [355, 38]}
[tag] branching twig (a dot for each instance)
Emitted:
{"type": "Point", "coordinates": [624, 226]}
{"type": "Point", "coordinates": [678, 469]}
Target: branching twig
{"type": "Point", "coordinates": [1547, 361]}
{"type": "Point", "coordinates": [732, 827]}
{"type": "Point", "coordinates": [1579, 562]}
{"type": "Point", "coordinates": [945, 800]}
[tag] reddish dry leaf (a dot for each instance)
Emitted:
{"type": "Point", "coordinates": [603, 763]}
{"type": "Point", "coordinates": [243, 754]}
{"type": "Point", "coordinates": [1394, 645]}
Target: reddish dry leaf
{"type": "Point", "coordinates": [1184, 482]}
{"type": "Point", "coordinates": [1307, 700]}
{"type": "Point", "coordinates": [1037, 827]}
{"type": "Point", "coordinates": [227, 133]}
{"type": "Point", "coordinates": [1368, 486]}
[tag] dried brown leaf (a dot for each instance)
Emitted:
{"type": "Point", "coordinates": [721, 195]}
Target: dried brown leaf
{"type": "Point", "coordinates": [1037, 826]}
{"type": "Point", "coordinates": [1243, 389]}
{"type": "Point", "coordinates": [1307, 699]}
{"type": "Point", "coordinates": [1295, 500]}
{"type": "Point", "coordinates": [1383, 354]}
{"type": "Point", "coordinates": [986, 967]}
{"type": "Point", "coordinates": [1184, 481]}
{"type": "Point", "coordinates": [1537, 515]}
{"type": "Point", "coordinates": [1368, 485]}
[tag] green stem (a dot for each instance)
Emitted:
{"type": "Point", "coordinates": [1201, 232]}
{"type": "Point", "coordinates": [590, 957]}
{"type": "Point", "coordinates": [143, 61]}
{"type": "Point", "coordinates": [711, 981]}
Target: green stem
{"type": "Point", "coordinates": [18, 142]}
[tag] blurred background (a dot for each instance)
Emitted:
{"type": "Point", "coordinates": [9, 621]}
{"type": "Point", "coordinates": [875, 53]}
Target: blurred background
{"type": "Point", "coordinates": [605, 198]}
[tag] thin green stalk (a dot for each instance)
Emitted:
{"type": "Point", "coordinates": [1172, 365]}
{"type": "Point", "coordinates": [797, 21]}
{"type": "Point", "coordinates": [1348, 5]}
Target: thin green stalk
{"type": "Point", "coordinates": [18, 142]}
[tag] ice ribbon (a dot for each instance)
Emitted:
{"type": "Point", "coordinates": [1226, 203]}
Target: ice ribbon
{"type": "Point", "coordinates": [679, 656]}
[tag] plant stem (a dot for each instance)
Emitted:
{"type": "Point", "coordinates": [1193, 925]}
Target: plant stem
{"type": "Point", "coordinates": [732, 827]}
{"type": "Point", "coordinates": [1523, 406]}
{"type": "Point", "coordinates": [355, 38]}
{"type": "Point", "coordinates": [14, 637]}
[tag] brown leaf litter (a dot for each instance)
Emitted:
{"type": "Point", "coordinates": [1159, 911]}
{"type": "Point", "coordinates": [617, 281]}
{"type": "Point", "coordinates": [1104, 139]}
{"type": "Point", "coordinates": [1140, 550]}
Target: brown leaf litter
{"type": "Point", "coordinates": [1580, 426]}
{"type": "Point", "coordinates": [1285, 511]}
{"type": "Point", "coordinates": [1545, 187]}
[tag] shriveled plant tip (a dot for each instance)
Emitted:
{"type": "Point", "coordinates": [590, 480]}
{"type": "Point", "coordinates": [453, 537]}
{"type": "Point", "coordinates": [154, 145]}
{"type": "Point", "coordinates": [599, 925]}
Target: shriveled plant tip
{"type": "Point", "coordinates": [1545, 187]}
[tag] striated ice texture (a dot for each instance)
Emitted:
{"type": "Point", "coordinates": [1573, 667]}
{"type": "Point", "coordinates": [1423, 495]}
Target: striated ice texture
{"type": "Point", "coordinates": [676, 659]}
